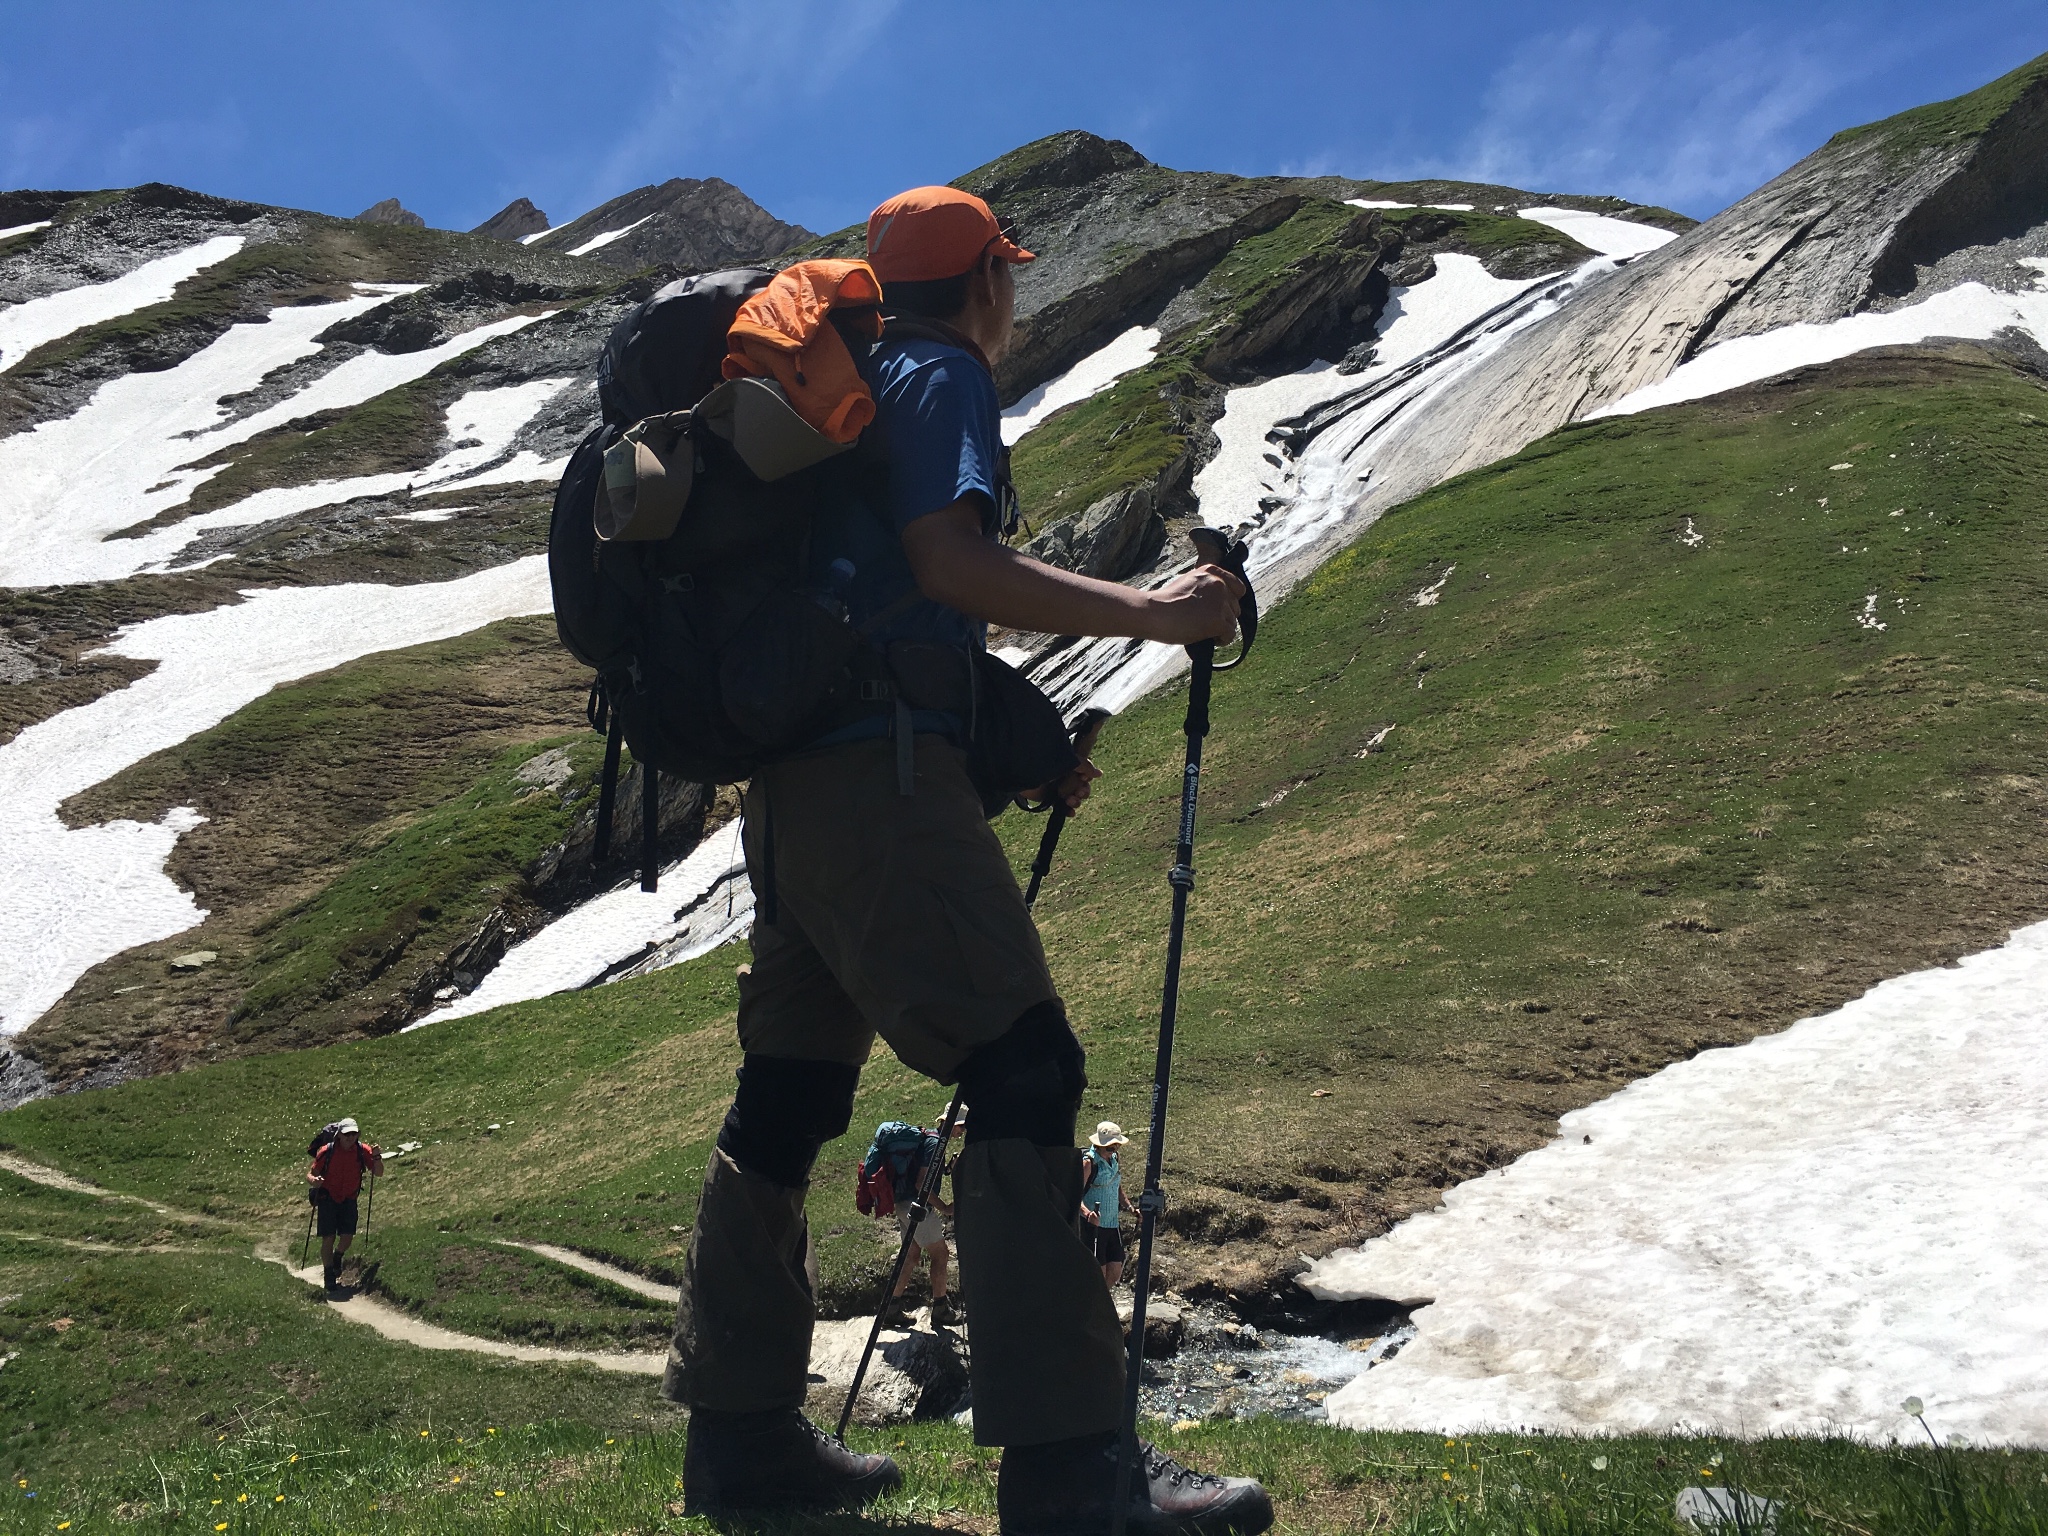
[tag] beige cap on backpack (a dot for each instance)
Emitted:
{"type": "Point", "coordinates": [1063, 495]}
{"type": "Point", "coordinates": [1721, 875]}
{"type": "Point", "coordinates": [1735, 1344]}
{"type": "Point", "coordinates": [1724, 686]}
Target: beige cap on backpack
{"type": "Point", "coordinates": [1108, 1134]}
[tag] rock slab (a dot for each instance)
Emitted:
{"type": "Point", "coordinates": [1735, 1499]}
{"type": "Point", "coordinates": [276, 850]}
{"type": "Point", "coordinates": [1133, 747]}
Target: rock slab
{"type": "Point", "coordinates": [916, 1373]}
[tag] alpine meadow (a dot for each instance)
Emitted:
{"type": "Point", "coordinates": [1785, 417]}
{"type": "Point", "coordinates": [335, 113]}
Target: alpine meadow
{"type": "Point", "coordinates": [1612, 1023]}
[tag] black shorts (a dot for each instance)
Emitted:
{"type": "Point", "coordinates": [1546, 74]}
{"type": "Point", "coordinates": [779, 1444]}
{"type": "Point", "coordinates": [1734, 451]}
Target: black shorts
{"type": "Point", "coordinates": [337, 1218]}
{"type": "Point", "coordinates": [1108, 1243]}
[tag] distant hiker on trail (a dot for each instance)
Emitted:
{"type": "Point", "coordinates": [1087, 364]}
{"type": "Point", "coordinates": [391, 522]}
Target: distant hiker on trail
{"type": "Point", "coordinates": [339, 1165]}
{"type": "Point", "coordinates": [930, 1237]}
{"type": "Point", "coordinates": [886, 905]}
{"type": "Point", "coordinates": [1103, 1200]}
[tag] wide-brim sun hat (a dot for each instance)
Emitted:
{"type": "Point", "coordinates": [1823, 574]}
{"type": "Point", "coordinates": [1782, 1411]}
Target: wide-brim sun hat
{"type": "Point", "coordinates": [1108, 1134]}
{"type": "Point", "coordinates": [930, 233]}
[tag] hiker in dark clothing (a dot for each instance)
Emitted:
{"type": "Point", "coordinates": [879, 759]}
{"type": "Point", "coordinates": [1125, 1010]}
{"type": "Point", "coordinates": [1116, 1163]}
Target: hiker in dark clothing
{"type": "Point", "coordinates": [336, 1177]}
{"type": "Point", "coordinates": [895, 912]}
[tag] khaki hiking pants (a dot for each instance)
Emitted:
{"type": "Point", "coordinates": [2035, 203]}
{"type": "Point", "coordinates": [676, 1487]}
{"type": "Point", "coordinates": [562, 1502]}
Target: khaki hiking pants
{"type": "Point", "coordinates": [896, 915]}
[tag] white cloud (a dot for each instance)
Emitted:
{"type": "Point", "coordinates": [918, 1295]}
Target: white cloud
{"type": "Point", "coordinates": [1640, 112]}
{"type": "Point", "coordinates": [717, 73]}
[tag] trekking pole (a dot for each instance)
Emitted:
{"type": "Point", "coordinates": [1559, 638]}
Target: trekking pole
{"type": "Point", "coordinates": [306, 1248]}
{"type": "Point", "coordinates": [1214, 548]}
{"type": "Point", "coordinates": [927, 1188]}
{"type": "Point", "coordinates": [369, 1210]}
{"type": "Point", "coordinates": [1086, 730]}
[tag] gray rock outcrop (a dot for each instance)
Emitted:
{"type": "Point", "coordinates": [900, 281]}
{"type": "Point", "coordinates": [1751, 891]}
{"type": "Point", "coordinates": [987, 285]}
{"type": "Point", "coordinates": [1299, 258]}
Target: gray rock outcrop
{"type": "Point", "coordinates": [391, 212]}
{"type": "Point", "coordinates": [1877, 217]}
{"type": "Point", "coordinates": [917, 1373]}
{"type": "Point", "coordinates": [516, 220]}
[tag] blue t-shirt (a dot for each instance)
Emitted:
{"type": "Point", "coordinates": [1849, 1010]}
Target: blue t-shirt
{"type": "Point", "coordinates": [938, 429]}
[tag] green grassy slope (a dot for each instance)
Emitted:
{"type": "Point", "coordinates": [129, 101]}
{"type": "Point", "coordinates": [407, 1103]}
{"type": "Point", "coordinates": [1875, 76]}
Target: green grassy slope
{"type": "Point", "coordinates": [1640, 796]}
{"type": "Point", "coordinates": [1941, 123]}
{"type": "Point", "coordinates": [279, 1473]}
{"type": "Point", "coordinates": [360, 823]}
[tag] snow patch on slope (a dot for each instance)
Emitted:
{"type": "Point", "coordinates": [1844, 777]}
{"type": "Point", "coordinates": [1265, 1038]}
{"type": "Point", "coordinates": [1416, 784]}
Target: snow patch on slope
{"type": "Point", "coordinates": [1430, 335]}
{"type": "Point", "coordinates": [72, 897]}
{"type": "Point", "coordinates": [599, 242]}
{"type": "Point", "coordinates": [704, 901]}
{"type": "Point", "coordinates": [67, 485]}
{"type": "Point", "coordinates": [1620, 238]}
{"type": "Point", "coordinates": [26, 326]}
{"type": "Point", "coordinates": [485, 421]}
{"type": "Point", "coordinates": [24, 229]}
{"type": "Point", "coordinates": [1686, 1253]}
{"type": "Point", "coordinates": [1970, 311]}
{"type": "Point", "coordinates": [1090, 376]}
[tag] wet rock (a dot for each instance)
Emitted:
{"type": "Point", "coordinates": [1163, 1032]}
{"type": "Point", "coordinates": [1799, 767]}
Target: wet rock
{"type": "Point", "coordinates": [1165, 1326]}
{"type": "Point", "coordinates": [391, 212]}
{"type": "Point", "coordinates": [1357, 360]}
{"type": "Point", "coordinates": [916, 1373]}
{"type": "Point", "coordinates": [21, 1079]}
{"type": "Point", "coordinates": [514, 221]}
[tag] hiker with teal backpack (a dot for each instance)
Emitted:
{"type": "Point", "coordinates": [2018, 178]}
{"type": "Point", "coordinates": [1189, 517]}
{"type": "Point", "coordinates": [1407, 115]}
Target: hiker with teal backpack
{"type": "Point", "coordinates": [782, 568]}
{"type": "Point", "coordinates": [896, 1163]}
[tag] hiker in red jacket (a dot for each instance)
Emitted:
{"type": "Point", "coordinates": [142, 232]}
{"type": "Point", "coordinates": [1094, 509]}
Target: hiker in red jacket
{"type": "Point", "coordinates": [337, 1176]}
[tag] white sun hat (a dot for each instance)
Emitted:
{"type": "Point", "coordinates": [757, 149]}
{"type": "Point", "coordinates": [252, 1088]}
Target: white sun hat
{"type": "Point", "coordinates": [1108, 1134]}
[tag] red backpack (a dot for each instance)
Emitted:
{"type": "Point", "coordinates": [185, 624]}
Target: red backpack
{"type": "Point", "coordinates": [888, 1174]}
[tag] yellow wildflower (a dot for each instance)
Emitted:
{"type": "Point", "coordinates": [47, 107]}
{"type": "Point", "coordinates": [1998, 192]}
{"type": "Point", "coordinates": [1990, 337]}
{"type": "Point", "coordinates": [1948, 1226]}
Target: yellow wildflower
{"type": "Point", "coordinates": [497, 1493]}
{"type": "Point", "coordinates": [222, 1526]}
{"type": "Point", "coordinates": [280, 1497]}
{"type": "Point", "coordinates": [1447, 1477]}
{"type": "Point", "coordinates": [63, 1525]}
{"type": "Point", "coordinates": [241, 1498]}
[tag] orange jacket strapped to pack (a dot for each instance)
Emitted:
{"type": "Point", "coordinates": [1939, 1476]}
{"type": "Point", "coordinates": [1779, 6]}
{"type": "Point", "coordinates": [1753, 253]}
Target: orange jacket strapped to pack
{"type": "Point", "coordinates": [785, 332]}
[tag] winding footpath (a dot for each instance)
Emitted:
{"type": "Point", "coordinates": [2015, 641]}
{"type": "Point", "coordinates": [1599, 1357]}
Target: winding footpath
{"type": "Point", "coordinates": [367, 1311]}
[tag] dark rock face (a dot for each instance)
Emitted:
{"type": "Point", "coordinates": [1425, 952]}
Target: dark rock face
{"type": "Point", "coordinates": [691, 224]}
{"type": "Point", "coordinates": [416, 321]}
{"type": "Point", "coordinates": [389, 212]}
{"type": "Point", "coordinates": [514, 221]}
{"type": "Point", "coordinates": [1114, 537]}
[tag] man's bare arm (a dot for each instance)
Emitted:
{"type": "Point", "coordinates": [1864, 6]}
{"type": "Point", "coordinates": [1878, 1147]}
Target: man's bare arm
{"type": "Point", "coordinates": [955, 565]}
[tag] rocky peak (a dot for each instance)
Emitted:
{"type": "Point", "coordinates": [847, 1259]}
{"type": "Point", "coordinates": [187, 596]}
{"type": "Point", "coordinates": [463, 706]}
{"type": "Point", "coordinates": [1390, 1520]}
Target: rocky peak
{"type": "Point", "coordinates": [391, 212]}
{"type": "Point", "coordinates": [685, 222]}
{"type": "Point", "coordinates": [514, 221]}
{"type": "Point", "coordinates": [1070, 159]}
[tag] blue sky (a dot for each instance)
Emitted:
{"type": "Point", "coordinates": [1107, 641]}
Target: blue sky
{"type": "Point", "coordinates": [820, 110]}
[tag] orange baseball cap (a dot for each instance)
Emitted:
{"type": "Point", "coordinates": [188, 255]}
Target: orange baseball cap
{"type": "Point", "coordinates": [933, 232]}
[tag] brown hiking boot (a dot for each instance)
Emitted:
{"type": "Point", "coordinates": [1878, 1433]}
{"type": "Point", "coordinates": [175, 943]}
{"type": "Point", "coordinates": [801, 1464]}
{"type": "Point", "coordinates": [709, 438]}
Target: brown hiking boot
{"type": "Point", "coordinates": [945, 1312]}
{"type": "Point", "coordinates": [1066, 1489]}
{"type": "Point", "coordinates": [777, 1459]}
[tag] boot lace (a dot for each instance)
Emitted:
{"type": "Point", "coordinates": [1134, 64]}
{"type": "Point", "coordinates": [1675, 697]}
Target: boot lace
{"type": "Point", "coordinates": [1160, 1465]}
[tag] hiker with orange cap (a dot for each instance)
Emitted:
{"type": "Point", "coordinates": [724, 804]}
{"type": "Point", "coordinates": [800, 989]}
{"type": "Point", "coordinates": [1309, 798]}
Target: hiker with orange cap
{"type": "Point", "coordinates": [886, 905]}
